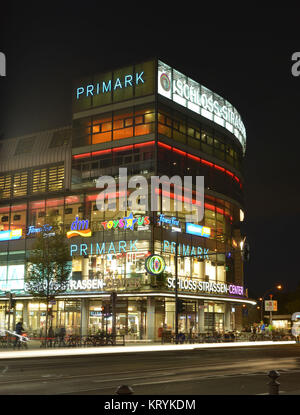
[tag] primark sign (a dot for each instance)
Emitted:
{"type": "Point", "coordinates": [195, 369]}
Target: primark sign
{"type": "Point", "coordinates": [206, 287]}
{"type": "Point", "coordinates": [183, 90]}
{"type": "Point", "coordinates": [103, 87]}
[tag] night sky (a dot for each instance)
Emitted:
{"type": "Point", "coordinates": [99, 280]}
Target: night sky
{"type": "Point", "coordinates": [245, 56]}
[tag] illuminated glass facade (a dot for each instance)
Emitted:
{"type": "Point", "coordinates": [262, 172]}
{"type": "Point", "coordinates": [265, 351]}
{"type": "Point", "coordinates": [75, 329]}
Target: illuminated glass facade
{"type": "Point", "coordinates": [122, 119]}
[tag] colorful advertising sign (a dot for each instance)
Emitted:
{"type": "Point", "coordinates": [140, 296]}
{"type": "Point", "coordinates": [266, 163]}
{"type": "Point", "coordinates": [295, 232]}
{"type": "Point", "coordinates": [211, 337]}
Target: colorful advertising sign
{"type": "Point", "coordinates": [197, 230]}
{"type": "Point", "coordinates": [155, 264]}
{"type": "Point", "coordinates": [79, 228]}
{"type": "Point", "coordinates": [270, 305]}
{"type": "Point", "coordinates": [10, 235]}
{"type": "Point", "coordinates": [127, 222]}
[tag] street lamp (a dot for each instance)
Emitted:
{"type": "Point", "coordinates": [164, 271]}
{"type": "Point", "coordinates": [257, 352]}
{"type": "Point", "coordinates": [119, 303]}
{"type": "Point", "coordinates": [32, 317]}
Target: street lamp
{"type": "Point", "coordinates": [277, 287]}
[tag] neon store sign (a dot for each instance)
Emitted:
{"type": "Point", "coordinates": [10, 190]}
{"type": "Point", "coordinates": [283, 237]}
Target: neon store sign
{"type": "Point", "coordinates": [185, 250]}
{"type": "Point", "coordinates": [194, 96]}
{"type": "Point", "coordinates": [155, 264]}
{"type": "Point", "coordinates": [103, 248]}
{"type": "Point", "coordinates": [10, 235]}
{"type": "Point", "coordinates": [168, 220]}
{"type": "Point", "coordinates": [204, 286]}
{"type": "Point", "coordinates": [128, 81]}
{"type": "Point", "coordinates": [127, 222]}
{"type": "Point", "coordinates": [197, 230]}
{"type": "Point", "coordinates": [34, 230]}
{"type": "Point", "coordinates": [79, 228]}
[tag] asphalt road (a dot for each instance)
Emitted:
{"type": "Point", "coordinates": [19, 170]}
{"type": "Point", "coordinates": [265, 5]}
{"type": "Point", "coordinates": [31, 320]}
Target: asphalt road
{"type": "Point", "coordinates": [226, 371]}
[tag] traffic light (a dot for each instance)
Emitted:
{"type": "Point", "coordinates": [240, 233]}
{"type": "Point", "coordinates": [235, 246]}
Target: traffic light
{"type": "Point", "coordinates": [110, 308]}
{"type": "Point", "coordinates": [180, 306]}
{"type": "Point", "coordinates": [13, 303]}
{"type": "Point", "coordinates": [49, 311]}
{"type": "Point", "coordinates": [106, 310]}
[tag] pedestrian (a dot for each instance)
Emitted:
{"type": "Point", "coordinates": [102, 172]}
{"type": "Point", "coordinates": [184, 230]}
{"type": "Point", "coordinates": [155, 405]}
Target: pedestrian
{"type": "Point", "coordinates": [62, 334]}
{"type": "Point", "coordinates": [270, 328]}
{"type": "Point", "coordinates": [19, 329]}
{"type": "Point", "coordinates": [50, 336]}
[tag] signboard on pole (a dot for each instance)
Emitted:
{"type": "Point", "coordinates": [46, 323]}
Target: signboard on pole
{"type": "Point", "coordinates": [271, 305]}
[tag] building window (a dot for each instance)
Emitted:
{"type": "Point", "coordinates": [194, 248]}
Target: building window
{"type": "Point", "coordinates": [56, 178]}
{"type": "Point", "coordinates": [39, 181]}
{"type": "Point", "coordinates": [5, 186]}
{"type": "Point", "coordinates": [20, 184]}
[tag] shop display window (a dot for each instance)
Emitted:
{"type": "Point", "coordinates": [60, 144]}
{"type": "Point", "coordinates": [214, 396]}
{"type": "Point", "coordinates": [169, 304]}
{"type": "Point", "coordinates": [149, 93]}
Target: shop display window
{"type": "Point", "coordinates": [18, 217]}
{"type": "Point", "coordinates": [4, 218]}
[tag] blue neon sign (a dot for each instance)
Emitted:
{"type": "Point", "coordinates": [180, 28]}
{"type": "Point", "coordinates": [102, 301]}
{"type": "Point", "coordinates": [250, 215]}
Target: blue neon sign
{"type": "Point", "coordinates": [128, 80]}
{"type": "Point", "coordinates": [197, 230]}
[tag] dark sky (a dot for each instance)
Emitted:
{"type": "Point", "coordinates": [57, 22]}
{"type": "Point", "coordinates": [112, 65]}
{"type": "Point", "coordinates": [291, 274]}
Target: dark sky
{"type": "Point", "coordinates": [242, 54]}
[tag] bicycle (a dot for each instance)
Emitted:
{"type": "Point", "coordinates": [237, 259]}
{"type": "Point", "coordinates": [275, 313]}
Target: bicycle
{"type": "Point", "coordinates": [20, 343]}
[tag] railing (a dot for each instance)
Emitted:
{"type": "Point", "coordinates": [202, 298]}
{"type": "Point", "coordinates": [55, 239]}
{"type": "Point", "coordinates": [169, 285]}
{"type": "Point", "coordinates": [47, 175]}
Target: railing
{"type": "Point", "coordinates": [12, 339]}
{"type": "Point", "coordinates": [187, 338]}
{"type": "Point", "coordinates": [83, 341]}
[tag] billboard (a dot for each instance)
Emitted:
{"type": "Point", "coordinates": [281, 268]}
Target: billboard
{"type": "Point", "coordinates": [270, 305]}
{"type": "Point", "coordinates": [196, 97]}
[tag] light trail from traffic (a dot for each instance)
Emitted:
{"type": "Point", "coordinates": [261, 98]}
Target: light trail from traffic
{"type": "Point", "coordinates": [132, 349]}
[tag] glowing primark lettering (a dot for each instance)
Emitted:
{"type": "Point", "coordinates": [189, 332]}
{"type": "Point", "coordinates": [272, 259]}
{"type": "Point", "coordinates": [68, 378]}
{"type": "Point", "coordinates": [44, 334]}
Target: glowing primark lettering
{"type": "Point", "coordinates": [204, 286]}
{"type": "Point", "coordinates": [103, 87]}
{"type": "Point", "coordinates": [103, 248]}
{"type": "Point", "coordinates": [185, 250]}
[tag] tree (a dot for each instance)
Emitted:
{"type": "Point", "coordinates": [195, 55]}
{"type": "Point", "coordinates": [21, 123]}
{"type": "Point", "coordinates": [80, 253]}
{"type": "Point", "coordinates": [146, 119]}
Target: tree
{"type": "Point", "coordinates": [48, 266]}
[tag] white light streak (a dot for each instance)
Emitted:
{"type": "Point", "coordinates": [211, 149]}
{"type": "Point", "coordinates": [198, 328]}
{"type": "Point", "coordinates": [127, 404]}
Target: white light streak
{"type": "Point", "coordinates": [132, 349]}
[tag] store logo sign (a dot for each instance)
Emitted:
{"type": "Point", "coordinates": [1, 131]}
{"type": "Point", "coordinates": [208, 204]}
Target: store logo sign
{"type": "Point", "coordinates": [127, 81]}
{"type": "Point", "coordinates": [103, 248]}
{"type": "Point", "coordinates": [190, 94]}
{"type": "Point", "coordinates": [204, 286]}
{"type": "Point", "coordinates": [165, 82]}
{"type": "Point", "coordinates": [197, 230]}
{"type": "Point", "coordinates": [127, 222]}
{"type": "Point", "coordinates": [10, 235]}
{"type": "Point", "coordinates": [185, 250]}
{"type": "Point", "coordinates": [79, 227]}
{"type": "Point", "coordinates": [34, 230]}
{"type": "Point", "coordinates": [155, 264]}
{"type": "Point", "coordinates": [170, 221]}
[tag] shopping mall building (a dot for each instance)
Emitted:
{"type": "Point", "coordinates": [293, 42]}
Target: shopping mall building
{"type": "Point", "coordinates": [152, 120]}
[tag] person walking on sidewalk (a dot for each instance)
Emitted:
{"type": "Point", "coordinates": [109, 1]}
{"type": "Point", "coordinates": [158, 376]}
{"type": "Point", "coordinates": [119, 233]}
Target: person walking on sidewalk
{"type": "Point", "coordinates": [19, 329]}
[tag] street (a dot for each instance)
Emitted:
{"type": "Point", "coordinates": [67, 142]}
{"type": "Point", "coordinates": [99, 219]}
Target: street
{"type": "Point", "coordinates": [221, 371]}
